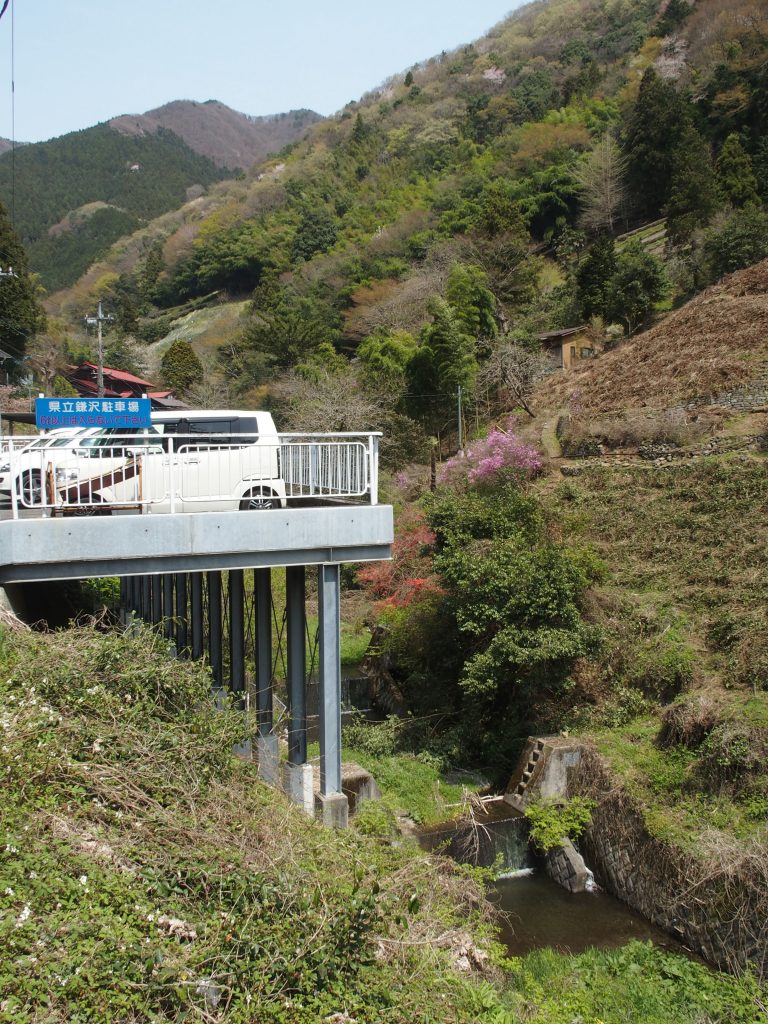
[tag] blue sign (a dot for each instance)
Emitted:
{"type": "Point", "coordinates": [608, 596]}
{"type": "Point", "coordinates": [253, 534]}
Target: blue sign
{"type": "Point", "coordinates": [131, 413]}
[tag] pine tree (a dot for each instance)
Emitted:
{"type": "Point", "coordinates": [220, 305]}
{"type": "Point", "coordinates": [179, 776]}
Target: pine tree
{"type": "Point", "coordinates": [735, 177]}
{"type": "Point", "coordinates": [21, 315]}
{"type": "Point", "coordinates": [181, 368]}
{"type": "Point", "coordinates": [651, 136]}
{"type": "Point", "coordinates": [592, 277]}
{"type": "Point", "coordinates": [692, 195]}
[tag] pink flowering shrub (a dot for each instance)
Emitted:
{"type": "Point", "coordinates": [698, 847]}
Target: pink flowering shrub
{"type": "Point", "coordinates": [499, 458]}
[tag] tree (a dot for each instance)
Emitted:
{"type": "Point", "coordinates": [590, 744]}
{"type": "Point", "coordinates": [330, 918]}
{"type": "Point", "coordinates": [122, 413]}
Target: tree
{"type": "Point", "coordinates": [592, 277]}
{"type": "Point", "coordinates": [384, 356]}
{"type": "Point", "coordinates": [638, 282]}
{"type": "Point", "coordinates": [652, 132]}
{"type": "Point", "coordinates": [675, 14]}
{"type": "Point", "coordinates": [21, 315]}
{"type": "Point", "coordinates": [181, 368]}
{"type": "Point", "coordinates": [315, 233]}
{"type": "Point", "coordinates": [472, 300]}
{"type": "Point", "coordinates": [737, 241]}
{"type": "Point", "coordinates": [601, 181]}
{"type": "Point", "coordinates": [735, 177]}
{"type": "Point", "coordinates": [513, 372]}
{"type": "Point", "coordinates": [692, 198]}
{"type": "Point", "coordinates": [444, 361]}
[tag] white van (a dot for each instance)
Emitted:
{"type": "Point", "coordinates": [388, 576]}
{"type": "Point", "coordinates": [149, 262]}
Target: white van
{"type": "Point", "coordinates": [212, 460]}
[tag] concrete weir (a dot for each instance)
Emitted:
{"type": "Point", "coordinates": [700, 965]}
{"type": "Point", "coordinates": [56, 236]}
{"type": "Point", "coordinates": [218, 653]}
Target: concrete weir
{"type": "Point", "coordinates": [170, 568]}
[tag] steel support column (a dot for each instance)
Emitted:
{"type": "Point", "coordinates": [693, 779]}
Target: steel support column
{"type": "Point", "coordinates": [157, 599]}
{"type": "Point", "coordinates": [146, 598]}
{"type": "Point", "coordinates": [215, 652]}
{"type": "Point", "coordinates": [330, 679]}
{"type": "Point", "coordinates": [236, 634]}
{"type": "Point", "coordinates": [181, 614]}
{"type": "Point", "coordinates": [196, 613]}
{"type": "Point", "coordinates": [124, 609]}
{"type": "Point", "coordinates": [297, 664]}
{"type": "Point", "coordinates": [168, 605]}
{"type": "Point", "coordinates": [262, 587]}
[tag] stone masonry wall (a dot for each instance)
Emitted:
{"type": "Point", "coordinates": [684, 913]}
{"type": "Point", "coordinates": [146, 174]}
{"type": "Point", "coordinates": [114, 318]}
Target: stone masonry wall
{"type": "Point", "coordinates": [722, 919]}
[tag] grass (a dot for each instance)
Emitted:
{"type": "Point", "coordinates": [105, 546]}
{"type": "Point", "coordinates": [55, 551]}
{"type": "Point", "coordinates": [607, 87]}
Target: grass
{"type": "Point", "coordinates": [148, 876]}
{"type": "Point", "coordinates": [682, 612]}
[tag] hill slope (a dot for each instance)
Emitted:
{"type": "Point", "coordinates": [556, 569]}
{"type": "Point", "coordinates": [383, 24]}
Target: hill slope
{"type": "Point", "coordinates": [716, 342]}
{"type": "Point", "coordinates": [228, 138]}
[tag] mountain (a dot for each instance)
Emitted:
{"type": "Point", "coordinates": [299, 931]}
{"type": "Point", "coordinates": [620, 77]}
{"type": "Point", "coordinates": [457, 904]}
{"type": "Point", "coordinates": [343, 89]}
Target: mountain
{"type": "Point", "coordinates": [73, 196]}
{"type": "Point", "coordinates": [5, 145]}
{"type": "Point", "coordinates": [227, 137]}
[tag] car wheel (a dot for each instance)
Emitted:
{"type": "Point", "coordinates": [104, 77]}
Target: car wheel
{"type": "Point", "coordinates": [31, 489]}
{"type": "Point", "coordinates": [257, 501]}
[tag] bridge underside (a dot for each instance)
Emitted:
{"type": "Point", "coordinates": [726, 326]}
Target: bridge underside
{"type": "Point", "coordinates": [170, 567]}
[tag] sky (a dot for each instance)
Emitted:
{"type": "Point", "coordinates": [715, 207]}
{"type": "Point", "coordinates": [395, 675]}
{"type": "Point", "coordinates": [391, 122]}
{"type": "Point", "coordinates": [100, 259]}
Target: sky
{"type": "Point", "coordinates": [80, 62]}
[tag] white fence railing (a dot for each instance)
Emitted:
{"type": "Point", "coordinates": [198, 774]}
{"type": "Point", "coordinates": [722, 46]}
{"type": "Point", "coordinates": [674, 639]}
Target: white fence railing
{"type": "Point", "coordinates": [91, 472]}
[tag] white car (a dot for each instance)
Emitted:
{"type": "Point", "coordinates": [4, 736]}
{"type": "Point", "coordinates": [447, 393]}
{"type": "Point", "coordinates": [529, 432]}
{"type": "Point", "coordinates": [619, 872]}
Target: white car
{"type": "Point", "coordinates": [189, 461]}
{"type": "Point", "coordinates": [24, 466]}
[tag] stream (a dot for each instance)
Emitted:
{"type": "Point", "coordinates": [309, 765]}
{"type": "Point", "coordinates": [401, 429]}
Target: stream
{"type": "Point", "coordinates": [536, 911]}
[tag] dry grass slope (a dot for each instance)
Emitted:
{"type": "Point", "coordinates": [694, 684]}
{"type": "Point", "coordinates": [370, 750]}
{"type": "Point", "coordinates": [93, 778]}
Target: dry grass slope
{"type": "Point", "coordinates": [717, 341]}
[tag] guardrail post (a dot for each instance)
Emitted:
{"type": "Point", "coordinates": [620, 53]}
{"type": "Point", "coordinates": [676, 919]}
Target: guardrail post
{"type": "Point", "coordinates": [373, 456]}
{"type": "Point", "coordinates": [171, 475]}
{"type": "Point", "coordinates": [196, 613]}
{"type": "Point", "coordinates": [215, 651]}
{"type": "Point", "coordinates": [14, 493]}
{"type": "Point", "coordinates": [181, 615]}
{"type": "Point", "coordinates": [334, 802]}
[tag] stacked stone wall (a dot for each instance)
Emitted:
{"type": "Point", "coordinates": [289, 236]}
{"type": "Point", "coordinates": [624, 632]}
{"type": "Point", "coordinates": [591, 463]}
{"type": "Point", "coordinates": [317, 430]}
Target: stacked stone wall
{"type": "Point", "coordinates": [717, 913]}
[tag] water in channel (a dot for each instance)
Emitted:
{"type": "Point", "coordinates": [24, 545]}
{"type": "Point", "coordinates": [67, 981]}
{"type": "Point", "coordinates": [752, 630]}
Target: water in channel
{"type": "Point", "coordinates": [536, 912]}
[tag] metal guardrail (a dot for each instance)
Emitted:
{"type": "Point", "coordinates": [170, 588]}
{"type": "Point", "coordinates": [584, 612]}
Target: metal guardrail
{"type": "Point", "coordinates": [95, 472]}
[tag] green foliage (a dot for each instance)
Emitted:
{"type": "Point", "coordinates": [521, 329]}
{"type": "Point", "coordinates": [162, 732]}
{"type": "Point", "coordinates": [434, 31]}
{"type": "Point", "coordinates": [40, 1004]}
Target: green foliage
{"type": "Point", "coordinates": [692, 196]}
{"type": "Point", "coordinates": [146, 874]}
{"type": "Point", "coordinates": [639, 983]}
{"type": "Point", "coordinates": [735, 178]}
{"type": "Point", "coordinates": [652, 133]}
{"type": "Point", "coordinates": [94, 165]}
{"type": "Point", "coordinates": [638, 282]}
{"type": "Point", "coordinates": [385, 355]}
{"type": "Point", "coordinates": [737, 241]}
{"type": "Point", "coordinates": [472, 301]}
{"type": "Point", "coordinates": [315, 233]}
{"type": "Point", "coordinates": [552, 822]}
{"type": "Point", "coordinates": [444, 361]}
{"type": "Point", "coordinates": [21, 315]}
{"type": "Point", "coordinates": [181, 367]}
{"type": "Point", "coordinates": [593, 275]}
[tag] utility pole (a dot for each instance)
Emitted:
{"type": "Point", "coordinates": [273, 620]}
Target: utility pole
{"type": "Point", "coordinates": [98, 320]}
{"type": "Point", "coordinates": [10, 272]}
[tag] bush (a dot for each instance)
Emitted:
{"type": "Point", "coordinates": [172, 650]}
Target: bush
{"type": "Point", "coordinates": [737, 241]}
{"type": "Point", "coordinates": [551, 823]}
{"type": "Point", "coordinates": [687, 723]}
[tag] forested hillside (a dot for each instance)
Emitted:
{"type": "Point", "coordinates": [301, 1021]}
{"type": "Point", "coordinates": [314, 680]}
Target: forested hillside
{"type": "Point", "coordinates": [476, 200]}
{"type": "Point", "coordinates": [112, 178]}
